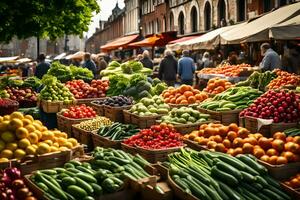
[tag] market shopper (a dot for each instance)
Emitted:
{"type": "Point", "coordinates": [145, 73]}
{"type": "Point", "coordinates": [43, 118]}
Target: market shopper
{"type": "Point", "coordinates": [186, 68]}
{"type": "Point", "coordinates": [206, 61]}
{"type": "Point", "coordinates": [42, 68]}
{"type": "Point", "coordinates": [168, 68]}
{"type": "Point", "coordinates": [146, 61]}
{"type": "Point", "coordinates": [271, 59]}
{"type": "Point", "coordinates": [89, 63]}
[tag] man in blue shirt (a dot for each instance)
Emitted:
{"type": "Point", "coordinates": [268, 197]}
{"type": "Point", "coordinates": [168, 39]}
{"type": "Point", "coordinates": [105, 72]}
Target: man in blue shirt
{"type": "Point", "coordinates": [271, 59]}
{"type": "Point", "coordinates": [186, 68]}
{"type": "Point", "coordinates": [42, 68]}
{"type": "Point", "coordinates": [89, 63]}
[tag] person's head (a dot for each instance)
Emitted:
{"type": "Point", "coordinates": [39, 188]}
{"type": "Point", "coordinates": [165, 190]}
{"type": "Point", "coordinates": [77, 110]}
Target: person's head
{"type": "Point", "coordinates": [264, 47]}
{"type": "Point", "coordinates": [139, 57]}
{"type": "Point", "coordinates": [146, 54]}
{"type": "Point", "coordinates": [206, 55]}
{"type": "Point", "coordinates": [185, 53]}
{"type": "Point", "coordinates": [168, 52]}
{"type": "Point", "coordinates": [41, 57]}
{"type": "Point", "coordinates": [87, 56]}
{"type": "Point", "coordinates": [233, 57]}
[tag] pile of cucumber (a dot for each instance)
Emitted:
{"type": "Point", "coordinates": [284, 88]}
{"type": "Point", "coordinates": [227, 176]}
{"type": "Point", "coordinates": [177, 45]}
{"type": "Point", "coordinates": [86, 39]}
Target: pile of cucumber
{"type": "Point", "coordinates": [104, 174]}
{"type": "Point", "coordinates": [118, 131]}
{"type": "Point", "coordinates": [292, 132]}
{"type": "Point", "coordinates": [217, 176]}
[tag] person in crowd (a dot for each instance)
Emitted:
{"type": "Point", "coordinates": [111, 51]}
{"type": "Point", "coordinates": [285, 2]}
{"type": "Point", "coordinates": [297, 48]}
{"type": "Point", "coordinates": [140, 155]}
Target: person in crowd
{"type": "Point", "coordinates": [146, 61]}
{"type": "Point", "coordinates": [43, 66]}
{"type": "Point", "coordinates": [291, 59]}
{"type": "Point", "coordinates": [271, 59]}
{"type": "Point", "coordinates": [89, 63]}
{"type": "Point", "coordinates": [206, 61]}
{"type": "Point", "coordinates": [101, 66]}
{"type": "Point", "coordinates": [168, 68]}
{"type": "Point", "coordinates": [186, 68]}
{"type": "Point", "coordinates": [139, 57]}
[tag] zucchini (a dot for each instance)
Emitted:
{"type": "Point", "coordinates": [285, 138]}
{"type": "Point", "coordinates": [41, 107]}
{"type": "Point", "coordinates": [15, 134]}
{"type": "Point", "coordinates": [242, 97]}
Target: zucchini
{"type": "Point", "coordinates": [74, 170]}
{"type": "Point", "coordinates": [86, 170]}
{"type": "Point", "coordinates": [271, 194]}
{"type": "Point", "coordinates": [249, 187]}
{"type": "Point", "coordinates": [271, 181]}
{"type": "Point", "coordinates": [279, 192]}
{"type": "Point", "coordinates": [248, 177]}
{"type": "Point", "coordinates": [262, 181]}
{"type": "Point", "coordinates": [102, 164]}
{"type": "Point", "coordinates": [232, 194]}
{"type": "Point", "coordinates": [97, 189]}
{"type": "Point", "coordinates": [59, 170]}
{"type": "Point", "coordinates": [120, 161]}
{"type": "Point", "coordinates": [262, 196]}
{"type": "Point", "coordinates": [84, 185]}
{"type": "Point", "coordinates": [232, 161]}
{"type": "Point", "coordinates": [67, 181]}
{"type": "Point", "coordinates": [50, 172]}
{"type": "Point", "coordinates": [86, 177]}
{"type": "Point", "coordinates": [229, 169]}
{"type": "Point", "coordinates": [228, 178]}
{"type": "Point", "coordinates": [75, 163]}
{"type": "Point", "coordinates": [182, 184]}
{"type": "Point", "coordinates": [252, 163]}
{"type": "Point", "coordinates": [198, 175]}
{"type": "Point", "coordinates": [140, 160]}
{"type": "Point", "coordinates": [78, 192]}
{"type": "Point", "coordinates": [68, 165]}
{"type": "Point", "coordinates": [197, 190]}
{"type": "Point", "coordinates": [250, 195]}
{"type": "Point", "coordinates": [125, 175]}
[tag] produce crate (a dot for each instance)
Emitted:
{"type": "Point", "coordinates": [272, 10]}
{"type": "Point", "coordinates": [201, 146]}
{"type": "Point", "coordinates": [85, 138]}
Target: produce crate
{"type": "Point", "coordinates": [281, 172]}
{"type": "Point", "coordinates": [128, 149]}
{"type": "Point", "coordinates": [173, 105]}
{"type": "Point", "coordinates": [188, 128]}
{"type": "Point", "coordinates": [294, 193]}
{"type": "Point", "coordinates": [251, 124]}
{"type": "Point", "coordinates": [225, 117]}
{"type": "Point", "coordinates": [54, 107]}
{"type": "Point", "coordinates": [141, 121]}
{"type": "Point", "coordinates": [10, 109]}
{"type": "Point", "coordinates": [87, 102]}
{"type": "Point", "coordinates": [98, 108]}
{"type": "Point", "coordinates": [101, 141]}
{"type": "Point", "coordinates": [115, 114]}
{"type": "Point", "coordinates": [194, 145]}
{"type": "Point", "coordinates": [65, 124]}
{"type": "Point", "coordinates": [82, 136]}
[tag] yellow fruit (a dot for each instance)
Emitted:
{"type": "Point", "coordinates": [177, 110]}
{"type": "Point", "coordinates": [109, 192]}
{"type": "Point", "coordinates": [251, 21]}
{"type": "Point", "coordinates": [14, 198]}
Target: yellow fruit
{"type": "Point", "coordinates": [39, 122]}
{"type": "Point", "coordinates": [26, 122]}
{"type": "Point", "coordinates": [68, 145]}
{"type": "Point", "coordinates": [8, 136]}
{"type": "Point", "coordinates": [63, 149]}
{"type": "Point", "coordinates": [2, 145]}
{"type": "Point", "coordinates": [64, 135]}
{"type": "Point", "coordinates": [47, 135]}
{"type": "Point", "coordinates": [6, 118]}
{"type": "Point", "coordinates": [30, 128]}
{"type": "Point", "coordinates": [17, 115]}
{"type": "Point", "coordinates": [55, 144]}
{"type": "Point", "coordinates": [38, 133]}
{"type": "Point", "coordinates": [49, 142]}
{"type": "Point", "coordinates": [44, 128]}
{"type": "Point", "coordinates": [61, 141]}
{"type": "Point", "coordinates": [19, 154]}
{"type": "Point", "coordinates": [73, 141]}
{"type": "Point", "coordinates": [21, 133]}
{"type": "Point", "coordinates": [43, 148]}
{"type": "Point", "coordinates": [11, 146]}
{"type": "Point", "coordinates": [4, 126]}
{"type": "Point", "coordinates": [54, 149]}
{"type": "Point", "coordinates": [24, 143]}
{"type": "Point", "coordinates": [3, 160]}
{"type": "Point", "coordinates": [37, 126]}
{"type": "Point", "coordinates": [56, 133]}
{"type": "Point", "coordinates": [29, 117]}
{"type": "Point", "coordinates": [6, 153]}
{"type": "Point", "coordinates": [1, 118]}
{"type": "Point", "coordinates": [34, 146]}
{"type": "Point", "coordinates": [30, 150]}
{"type": "Point", "coordinates": [15, 124]}
{"type": "Point", "coordinates": [33, 138]}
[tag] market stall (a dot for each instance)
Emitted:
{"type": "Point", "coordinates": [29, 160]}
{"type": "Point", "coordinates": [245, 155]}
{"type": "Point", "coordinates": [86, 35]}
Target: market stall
{"type": "Point", "coordinates": [288, 30]}
{"type": "Point", "coordinates": [119, 42]}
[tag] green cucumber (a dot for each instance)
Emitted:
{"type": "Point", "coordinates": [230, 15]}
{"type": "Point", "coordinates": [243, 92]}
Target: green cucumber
{"type": "Point", "coordinates": [102, 164]}
{"type": "Point", "coordinates": [86, 170]}
{"type": "Point", "coordinates": [86, 177]}
{"type": "Point", "coordinates": [249, 178]}
{"type": "Point", "coordinates": [67, 181]}
{"type": "Point", "coordinates": [74, 170]}
{"type": "Point", "coordinates": [120, 161]}
{"type": "Point", "coordinates": [252, 163]}
{"type": "Point", "coordinates": [232, 194]}
{"type": "Point", "coordinates": [84, 185]}
{"type": "Point", "coordinates": [97, 189]}
{"type": "Point", "coordinates": [42, 186]}
{"type": "Point", "coordinates": [69, 165]}
{"type": "Point", "coordinates": [50, 172]}
{"type": "Point", "coordinates": [229, 169]}
{"type": "Point", "coordinates": [75, 163]}
{"type": "Point", "coordinates": [228, 178]}
{"type": "Point", "coordinates": [59, 170]}
{"type": "Point", "coordinates": [77, 192]}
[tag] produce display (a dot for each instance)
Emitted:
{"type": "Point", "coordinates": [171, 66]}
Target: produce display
{"type": "Point", "coordinates": [82, 90]}
{"type": "Point", "coordinates": [79, 112]}
{"type": "Point", "coordinates": [7, 106]}
{"type": "Point", "coordinates": [236, 140]}
{"type": "Point", "coordinates": [26, 96]}
{"type": "Point", "coordinates": [184, 115]}
{"type": "Point", "coordinates": [87, 180]}
{"type": "Point", "coordinates": [33, 111]}
{"type": "Point", "coordinates": [32, 82]}
{"type": "Point", "coordinates": [94, 124]}
{"type": "Point", "coordinates": [156, 137]}
{"type": "Point", "coordinates": [150, 106]}
{"type": "Point", "coordinates": [117, 131]}
{"type": "Point", "coordinates": [12, 186]}
{"type": "Point", "coordinates": [232, 99]}
{"type": "Point", "coordinates": [115, 101]}
{"type": "Point", "coordinates": [292, 132]}
{"type": "Point", "coordinates": [185, 94]}
{"type": "Point", "coordinates": [226, 70]}
{"type": "Point", "coordinates": [279, 105]}
{"type": "Point", "coordinates": [4, 94]}
{"type": "Point", "coordinates": [284, 79]}
{"type": "Point", "coordinates": [214, 175]}
{"type": "Point", "coordinates": [258, 80]}
{"type": "Point", "coordinates": [293, 182]}
{"type": "Point", "coordinates": [127, 69]}
{"type": "Point", "coordinates": [217, 85]}
{"type": "Point", "coordinates": [22, 135]}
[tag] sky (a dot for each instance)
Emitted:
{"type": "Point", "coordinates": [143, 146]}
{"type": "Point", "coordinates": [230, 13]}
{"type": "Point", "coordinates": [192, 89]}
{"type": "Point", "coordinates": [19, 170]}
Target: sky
{"type": "Point", "coordinates": [106, 7]}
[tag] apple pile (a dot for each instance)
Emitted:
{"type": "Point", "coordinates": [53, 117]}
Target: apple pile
{"type": "Point", "coordinates": [279, 105]}
{"type": "Point", "coordinates": [25, 96]}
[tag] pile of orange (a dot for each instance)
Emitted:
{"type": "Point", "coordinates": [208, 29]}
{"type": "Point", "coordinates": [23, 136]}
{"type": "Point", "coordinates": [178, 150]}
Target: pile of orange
{"type": "Point", "coordinates": [227, 70]}
{"type": "Point", "coordinates": [217, 85]}
{"type": "Point", "coordinates": [236, 140]}
{"type": "Point", "coordinates": [294, 182]}
{"type": "Point", "coordinates": [284, 79]}
{"type": "Point", "coordinates": [185, 94]}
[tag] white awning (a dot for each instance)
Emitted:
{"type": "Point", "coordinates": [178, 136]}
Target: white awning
{"type": "Point", "coordinates": [8, 59]}
{"type": "Point", "coordinates": [23, 60]}
{"type": "Point", "coordinates": [60, 56]}
{"type": "Point", "coordinates": [77, 55]}
{"type": "Point", "coordinates": [258, 30]}
{"type": "Point", "coordinates": [287, 30]}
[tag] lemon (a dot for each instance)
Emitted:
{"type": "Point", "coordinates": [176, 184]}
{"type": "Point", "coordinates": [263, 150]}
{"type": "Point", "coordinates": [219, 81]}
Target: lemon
{"type": "Point", "coordinates": [8, 136]}
{"type": "Point", "coordinates": [11, 146]}
{"type": "Point", "coordinates": [19, 154]}
{"type": "Point", "coordinates": [6, 153]}
{"type": "Point", "coordinates": [2, 145]}
{"type": "Point", "coordinates": [24, 143]}
{"type": "Point", "coordinates": [17, 115]}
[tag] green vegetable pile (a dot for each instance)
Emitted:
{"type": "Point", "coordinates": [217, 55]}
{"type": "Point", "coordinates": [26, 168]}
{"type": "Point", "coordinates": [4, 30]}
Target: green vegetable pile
{"type": "Point", "coordinates": [79, 73]}
{"type": "Point", "coordinates": [34, 112]}
{"type": "Point", "coordinates": [218, 176]}
{"type": "Point", "coordinates": [32, 82]}
{"type": "Point", "coordinates": [184, 115]}
{"type": "Point", "coordinates": [258, 80]}
{"type": "Point", "coordinates": [117, 131]}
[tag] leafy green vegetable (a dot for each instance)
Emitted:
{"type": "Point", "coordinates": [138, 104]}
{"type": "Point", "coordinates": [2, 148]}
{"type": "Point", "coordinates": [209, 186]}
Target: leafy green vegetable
{"type": "Point", "coordinates": [136, 66]}
{"type": "Point", "coordinates": [61, 72]}
{"type": "Point", "coordinates": [137, 78]}
{"type": "Point", "coordinates": [117, 84]}
{"type": "Point", "coordinates": [32, 82]}
{"type": "Point", "coordinates": [81, 73]}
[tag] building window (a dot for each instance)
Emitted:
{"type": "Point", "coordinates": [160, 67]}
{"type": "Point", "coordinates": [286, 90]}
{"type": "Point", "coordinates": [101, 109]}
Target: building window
{"type": "Point", "coordinates": [171, 21]}
{"type": "Point", "coordinates": [181, 23]}
{"type": "Point", "coordinates": [221, 12]}
{"type": "Point", "coordinates": [268, 5]}
{"type": "Point", "coordinates": [207, 16]}
{"type": "Point", "coordinates": [194, 19]}
{"type": "Point", "coordinates": [164, 24]}
{"type": "Point", "coordinates": [241, 10]}
{"type": "Point", "coordinates": [158, 25]}
{"type": "Point", "coordinates": [282, 3]}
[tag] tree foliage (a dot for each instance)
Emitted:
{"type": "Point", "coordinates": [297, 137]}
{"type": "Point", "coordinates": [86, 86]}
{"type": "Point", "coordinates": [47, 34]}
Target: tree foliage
{"type": "Point", "coordinates": [45, 18]}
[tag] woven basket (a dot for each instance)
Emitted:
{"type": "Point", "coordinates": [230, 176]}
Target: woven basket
{"type": "Point", "coordinates": [195, 145]}
{"type": "Point", "coordinates": [7, 110]}
{"type": "Point", "coordinates": [98, 108]}
{"type": "Point", "coordinates": [115, 114]}
{"type": "Point", "coordinates": [54, 107]}
{"type": "Point", "coordinates": [225, 117]}
{"type": "Point", "coordinates": [128, 149]}
{"type": "Point", "coordinates": [104, 142]}
{"type": "Point", "coordinates": [141, 121]}
{"type": "Point", "coordinates": [82, 136]}
{"type": "Point", "coordinates": [88, 102]}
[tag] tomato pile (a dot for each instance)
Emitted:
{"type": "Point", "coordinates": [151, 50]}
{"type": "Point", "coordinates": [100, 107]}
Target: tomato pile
{"type": "Point", "coordinates": [79, 112]}
{"type": "Point", "coordinates": [281, 106]}
{"type": "Point", "coordinates": [82, 90]}
{"type": "Point", "coordinates": [284, 79]}
{"type": "Point", "coordinates": [157, 137]}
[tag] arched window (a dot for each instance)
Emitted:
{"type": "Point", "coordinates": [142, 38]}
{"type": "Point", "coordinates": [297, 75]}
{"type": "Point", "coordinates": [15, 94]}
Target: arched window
{"type": "Point", "coordinates": [181, 23]}
{"type": "Point", "coordinates": [194, 19]}
{"type": "Point", "coordinates": [157, 26]}
{"type": "Point", "coordinates": [171, 21]}
{"type": "Point", "coordinates": [207, 16]}
{"type": "Point", "coordinates": [164, 24]}
{"type": "Point", "coordinates": [241, 10]}
{"type": "Point", "coordinates": [221, 12]}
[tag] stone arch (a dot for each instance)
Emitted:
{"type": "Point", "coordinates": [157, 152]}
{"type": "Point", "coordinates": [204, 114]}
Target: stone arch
{"type": "Point", "coordinates": [194, 8]}
{"type": "Point", "coordinates": [171, 21]}
{"type": "Point", "coordinates": [181, 23]}
{"type": "Point", "coordinates": [208, 17]}
{"type": "Point", "coordinates": [241, 10]}
{"type": "Point", "coordinates": [222, 12]}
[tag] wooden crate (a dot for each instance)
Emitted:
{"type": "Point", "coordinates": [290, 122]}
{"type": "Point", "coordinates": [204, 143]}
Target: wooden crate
{"type": "Point", "coordinates": [188, 128]}
{"type": "Point", "coordinates": [128, 149]}
{"type": "Point", "coordinates": [281, 172]}
{"type": "Point", "coordinates": [294, 193]}
{"type": "Point", "coordinates": [54, 107]}
{"type": "Point", "coordinates": [141, 121]}
{"type": "Point", "coordinates": [82, 136]}
{"type": "Point", "coordinates": [65, 124]}
{"type": "Point", "coordinates": [225, 117]}
{"type": "Point", "coordinates": [88, 102]}
{"type": "Point", "coordinates": [98, 108]}
{"type": "Point", "coordinates": [251, 124]}
{"type": "Point", "coordinates": [104, 142]}
{"type": "Point", "coordinates": [195, 145]}
{"type": "Point", "coordinates": [115, 114]}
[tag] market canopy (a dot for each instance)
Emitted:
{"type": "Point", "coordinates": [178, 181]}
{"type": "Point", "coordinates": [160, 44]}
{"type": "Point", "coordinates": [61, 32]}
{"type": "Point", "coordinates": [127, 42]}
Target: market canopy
{"type": "Point", "coordinates": [60, 56]}
{"type": "Point", "coordinates": [175, 43]}
{"type": "Point", "coordinates": [258, 30]}
{"type": "Point", "coordinates": [119, 43]}
{"type": "Point", "coordinates": [77, 55]}
{"type": "Point", "coordinates": [23, 60]}
{"type": "Point", "coordinates": [8, 59]}
{"type": "Point", "coordinates": [155, 40]}
{"type": "Point", "coordinates": [288, 30]}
